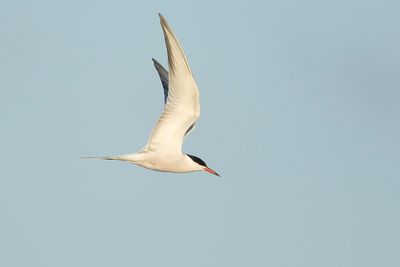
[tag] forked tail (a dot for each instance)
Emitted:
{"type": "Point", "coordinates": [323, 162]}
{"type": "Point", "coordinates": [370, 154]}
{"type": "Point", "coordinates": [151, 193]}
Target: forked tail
{"type": "Point", "coordinates": [133, 158]}
{"type": "Point", "coordinates": [101, 158]}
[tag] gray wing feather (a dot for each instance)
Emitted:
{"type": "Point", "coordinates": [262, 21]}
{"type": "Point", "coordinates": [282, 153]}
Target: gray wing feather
{"type": "Point", "coordinates": [163, 76]}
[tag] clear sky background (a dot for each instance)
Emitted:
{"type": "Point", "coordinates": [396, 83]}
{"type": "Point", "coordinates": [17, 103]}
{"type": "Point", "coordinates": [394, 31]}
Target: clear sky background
{"type": "Point", "coordinates": [300, 115]}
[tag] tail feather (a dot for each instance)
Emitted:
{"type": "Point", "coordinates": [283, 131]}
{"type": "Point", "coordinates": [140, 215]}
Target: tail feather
{"type": "Point", "coordinates": [133, 158]}
{"type": "Point", "coordinates": [101, 158]}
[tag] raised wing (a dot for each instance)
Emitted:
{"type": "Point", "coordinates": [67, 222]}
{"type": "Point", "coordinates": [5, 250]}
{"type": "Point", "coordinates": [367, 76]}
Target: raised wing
{"type": "Point", "coordinates": [163, 73]}
{"type": "Point", "coordinates": [182, 108]}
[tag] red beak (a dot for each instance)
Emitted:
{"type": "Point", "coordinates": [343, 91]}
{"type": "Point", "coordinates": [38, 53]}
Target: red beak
{"type": "Point", "coordinates": [211, 171]}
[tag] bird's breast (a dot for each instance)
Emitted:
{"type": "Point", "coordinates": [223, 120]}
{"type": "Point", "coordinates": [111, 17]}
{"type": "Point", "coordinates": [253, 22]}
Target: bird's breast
{"type": "Point", "coordinates": [165, 162]}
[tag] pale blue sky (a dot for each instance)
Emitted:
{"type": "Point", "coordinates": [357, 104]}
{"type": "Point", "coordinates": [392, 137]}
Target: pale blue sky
{"type": "Point", "coordinates": [300, 115]}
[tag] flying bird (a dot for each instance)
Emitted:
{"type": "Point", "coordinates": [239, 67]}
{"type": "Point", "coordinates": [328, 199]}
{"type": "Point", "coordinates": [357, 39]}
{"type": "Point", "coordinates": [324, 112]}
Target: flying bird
{"type": "Point", "coordinates": [163, 151]}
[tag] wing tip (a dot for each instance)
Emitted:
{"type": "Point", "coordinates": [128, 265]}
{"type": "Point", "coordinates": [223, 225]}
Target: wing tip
{"type": "Point", "coordinates": [159, 66]}
{"type": "Point", "coordinates": [163, 22]}
{"type": "Point", "coordinates": [161, 17]}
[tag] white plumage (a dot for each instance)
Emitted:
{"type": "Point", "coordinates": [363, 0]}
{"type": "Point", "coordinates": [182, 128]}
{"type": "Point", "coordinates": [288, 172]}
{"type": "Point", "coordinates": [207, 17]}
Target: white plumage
{"type": "Point", "coordinates": [163, 151]}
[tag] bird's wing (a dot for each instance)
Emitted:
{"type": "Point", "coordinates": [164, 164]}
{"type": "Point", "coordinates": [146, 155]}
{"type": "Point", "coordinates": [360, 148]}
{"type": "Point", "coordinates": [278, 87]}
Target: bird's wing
{"type": "Point", "coordinates": [182, 108]}
{"type": "Point", "coordinates": [163, 73]}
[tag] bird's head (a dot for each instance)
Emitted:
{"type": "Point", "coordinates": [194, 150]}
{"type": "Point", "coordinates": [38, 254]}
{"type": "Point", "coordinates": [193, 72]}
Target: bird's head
{"type": "Point", "coordinates": [202, 165]}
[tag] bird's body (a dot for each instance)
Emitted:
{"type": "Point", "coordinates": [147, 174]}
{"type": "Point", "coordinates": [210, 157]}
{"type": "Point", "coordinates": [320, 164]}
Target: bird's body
{"type": "Point", "coordinates": [158, 161]}
{"type": "Point", "coordinates": [163, 151]}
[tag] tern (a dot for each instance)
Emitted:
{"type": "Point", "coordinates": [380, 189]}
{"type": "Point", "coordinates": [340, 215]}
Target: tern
{"type": "Point", "coordinates": [163, 151]}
